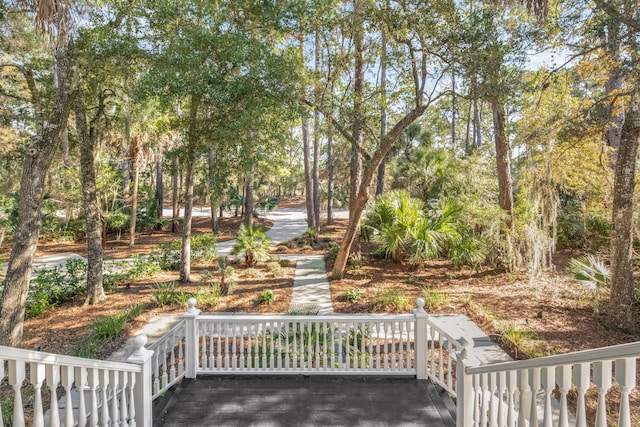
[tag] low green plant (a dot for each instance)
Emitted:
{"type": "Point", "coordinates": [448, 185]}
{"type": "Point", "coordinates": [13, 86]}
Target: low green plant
{"type": "Point", "coordinates": [253, 273]}
{"type": "Point", "coordinates": [594, 274]}
{"type": "Point", "coordinates": [253, 243]}
{"type": "Point", "coordinates": [53, 286]}
{"type": "Point", "coordinates": [312, 233]}
{"type": "Point", "coordinates": [435, 298]}
{"type": "Point", "coordinates": [266, 297]}
{"type": "Point", "coordinates": [393, 298]}
{"type": "Point", "coordinates": [307, 248]}
{"type": "Point", "coordinates": [104, 329]}
{"type": "Point", "coordinates": [303, 310]}
{"type": "Point", "coordinates": [467, 299]}
{"type": "Point", "coordinates": [165, 294]}
{"type": "Point", "coordinates": [208, 295]}
{"type": "Point", "coordinates": [352, 295]}
{"type": "Point", "coordinates": [282, 248]}
{"type": "Point", "coordinates": [7, 406]}
{"type": "Point", "coordinates": [514, 335]}
{"type": "Point", "coordinates": [332, 253]}
{"type": "Point", "coordinates": [276, 269]}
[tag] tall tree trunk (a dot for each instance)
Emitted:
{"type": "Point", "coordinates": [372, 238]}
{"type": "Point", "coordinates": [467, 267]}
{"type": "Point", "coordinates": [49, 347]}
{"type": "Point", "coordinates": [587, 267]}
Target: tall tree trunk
{"type": "Point", "coordinates": [316, 142]}
{"type": "Point", "coordinates": [308, 185]}
{"type": "Point", "coordinates": [503, 160]}
{"type": "Point", "coordinates": [621, 313]}
{"type": "Point", "coordinates": [477, 132]}
{"type": "Point", "coordinates": [135, 165]}
{"type": "Point", "coordinates": [213, 195]}
{"type": "Point", "coordinates": [175, 203]}
{"type": "Point", "coordinates": [249, 202]}
{"type": "Point", "coordinates": [159, 179]}
{"type": "Point", "coordinates": [613, 84]}
{"type": "Point", "coordinates": [37, 159]}
{"type": "Point", "coordinates": [87, 139]}
{"type": "Point", "coordinates": [467, 146]}
{"type": "Point", "coordinates": [330, 176]}
{"type": "Point", "coordinates": [192, 135]}
{"type": "Point", "coordinates": [185, 254]}
{"type": "Point", "coordinates": [453, 110]}
{"type": "Point", "coordinates": [383, 110]}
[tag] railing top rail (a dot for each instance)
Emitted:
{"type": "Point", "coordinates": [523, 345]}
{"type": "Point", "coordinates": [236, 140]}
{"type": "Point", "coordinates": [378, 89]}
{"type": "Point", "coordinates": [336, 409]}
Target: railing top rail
{"type": "Point", "coordinates": [584, 356]}
{"type": "Point", "coordinates": [8, 353]}
{"type": "Point", "coordinates": [448, 336]}
{"type": "Point", "coordinates": [175, 327]}
{"type": "Point", "coordinates": [319, 318]}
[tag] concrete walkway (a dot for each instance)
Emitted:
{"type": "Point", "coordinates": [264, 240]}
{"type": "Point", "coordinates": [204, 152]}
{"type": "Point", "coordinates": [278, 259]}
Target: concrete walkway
{"type": "Point", "coordinates": [310, 283]}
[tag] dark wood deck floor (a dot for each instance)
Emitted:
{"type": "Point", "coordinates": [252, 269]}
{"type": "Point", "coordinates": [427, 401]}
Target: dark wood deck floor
{"type": "Point", "coordinates": [307, 401]}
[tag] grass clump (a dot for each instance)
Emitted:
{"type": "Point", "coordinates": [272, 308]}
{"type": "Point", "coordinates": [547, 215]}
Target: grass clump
{"type": "Point", "coordinates": [276, 269]}
{"type": "Point", "coordinates": [394, 298]}
{"type": "Point", "coordinates": [352, 295]}
{"type": "Point", "coordinates": [303, 310]}
{"type": "Point", "coordinates": [104, 330]}
{"type": "Point", "coordinates": [434, 298]}
{"type": "Point", "coordinates": [253, 273]}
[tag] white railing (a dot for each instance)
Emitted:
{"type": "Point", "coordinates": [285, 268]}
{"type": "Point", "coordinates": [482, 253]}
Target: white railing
{"type": "Point", "coordinates": [167, 363]}
{"type": "Point", "coordinates": [441, 357]}
{"type": "Point", "coordinates": [335, 344]}
{"type": "Point", "coordinates": [95, 392]}
{"type": "Point", "coordinates": [521, 393]}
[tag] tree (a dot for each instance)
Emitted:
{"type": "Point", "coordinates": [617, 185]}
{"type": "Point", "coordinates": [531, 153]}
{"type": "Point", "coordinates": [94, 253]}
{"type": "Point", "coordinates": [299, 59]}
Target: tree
{"type": "Point", "coordinates": [38, 156]}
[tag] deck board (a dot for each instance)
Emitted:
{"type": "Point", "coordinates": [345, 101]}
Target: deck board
{"type": "Point", "coordinates": [306, 401]}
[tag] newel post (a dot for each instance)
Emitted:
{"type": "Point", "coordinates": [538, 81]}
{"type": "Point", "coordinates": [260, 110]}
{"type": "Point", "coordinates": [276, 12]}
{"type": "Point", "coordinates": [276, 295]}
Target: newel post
{"type": "Point", "coordinates": [464, 387]}
{"type": "Point", "coordinates": [420, 341]}
{"type": "Point", "coordinates": [142, 389]}
{"type": "Point", "coordinates": [191, 339]}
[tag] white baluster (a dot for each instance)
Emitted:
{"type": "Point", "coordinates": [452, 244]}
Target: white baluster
{"type": "Point", "coordinates": [114, 379]}
{"type": "Point", "coordinates": [563, 379]}
{"type": "Point", "coordinates": [93, 387]}
{"type": "Point", "coordinates": [581, 373]}
{"type": "Point", "coordinates": [172, 373]}
{"type": "Point", "coordinates": [548, 385]}
{"type": "Point", "coordinates": [37, 378]}
{"type": "Point", "coordinates": [81, 382]}
{"type": "Point", "coordinates": [371, 326]}
{"type": "Point", "coordinates": [503, 398]}
{"type": "Point", "coordinates": [287, 332]}
{"type": "Point", "coordinates": [218, 346]}
{"type": "Point", "coordinates": [326, 343]}
{"type": "Point", "coordinates": [256, 349]}
{"type": "Point", "coordinates": [265, 350]}
{"type": "Point", "coordinates": [332, 327]}
{"type": "Point", "coordinates": [164, 355]}
{"type": "Point", "coordinates": [485, 398]}
{"type": "Point", "coordinates": [52, 376]}
{"type": "Point", "coordinates": [104, 383]}
{"type": "Point", "coordinates": [67, 379]}
{"type": "Point", "coordinates": [626, 377]}
{"type": "Point", "coordinates": [272, 346]}
{"type": "Point", "coordinates": [181, 354]}
{"type": "Point", "coordinates": [124, 400]}
{"type": "Point", "coordinates": [132, 401]}
{"type": "Point", "coordinates": [16, 377]}
{"type": "Point", "coordinates": [450, 351]}
{"type": "Point", "coordinates": [441, 361]}
{"type": "Point", "coordinates": [602, 380]}
{"type": "Point", "coordinates": [523, 387]}
{"type": "Point", "coordinates": [204, 329]}
{"type": "Point", "coordinates": [156, 372]}
{"type": "Point", "coordinates": [512, 388]}
{"type": "Point", "coordinates": [363, 353]}
{"type": "Point", "coordinates": [535, 387]}
{"type": "Point", "coordinates": [494, 397]}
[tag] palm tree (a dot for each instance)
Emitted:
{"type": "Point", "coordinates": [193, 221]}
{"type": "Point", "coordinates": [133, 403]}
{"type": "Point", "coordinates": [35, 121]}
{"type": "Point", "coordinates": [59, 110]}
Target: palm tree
{"type": "Point", "coordinates": [253, 243]}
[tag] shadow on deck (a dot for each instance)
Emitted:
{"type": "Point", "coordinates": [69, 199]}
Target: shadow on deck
{"type": "Point", "coordinates": [306, 401]}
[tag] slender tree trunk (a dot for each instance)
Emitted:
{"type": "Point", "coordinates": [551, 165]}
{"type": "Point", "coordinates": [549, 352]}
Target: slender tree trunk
{"type": "Point", "coordinates": [134, 191]}
{"type": "Point", "coordinates": [467, 147]}
{"type": "Point", "coordinates": [308, 185]}
{"type": "Point", "coordinates": [159, 178]}
{"type": "Point", "coordinates": [316, 142]}
{"type": "Point", "coordinates": [330, 177]}
{"type": "Point", "coordinates": [453, 110]}
{"type": "Point", "coordinates": [192, 135]}
{"type": "Point", "coordinates": [86, 137]}
{"type": "Point", "coordinates": [249, 202]}
{"type": "Point", "coordinates": [185, 254]}
{"type": "Point", "coordinates": [621, 313]}
{"type": "Point", "coordinates": [503, 160]}
{"type": "Point", "coordinates": [213, 198]}
{"type": "Point", "coordinates": [383, 110]}
{"type": "Point", "coordinates": [37, 159]}
{"type": "Point", "coordinates": [175, 203]}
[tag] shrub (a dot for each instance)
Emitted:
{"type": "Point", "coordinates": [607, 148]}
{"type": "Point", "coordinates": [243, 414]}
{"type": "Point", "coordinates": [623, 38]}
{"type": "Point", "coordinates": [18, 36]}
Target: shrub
{"type": "Point", "coordinates": [332, 253]}
{"type": "Point", "coordinates": [203, 247]}
{"type": "Point", "coordinates": [593, 273]}
{"type": "Point", "coordinates": [303, 310]}
{"type": "Point", "coordinates": [253, 243]}
{"type": "Point", "coordinates": [276, 269]}
{"type": "Point", "coordinates": [352, 295]}
{"type": "Point", "coordinates": [53, 286]}
{"type": "Point", "coordinates": [307, 248]}
{"type": "Point", "coordinates": [165, 294]}
{"type": "Point", "coordinates": [434, 298]}
{"type": "Point", "coordinates": [394, 298]}
{"type": "Point", "coordinates": [266, 297]}
{"type": "Point", "coordinates": [253, 273]}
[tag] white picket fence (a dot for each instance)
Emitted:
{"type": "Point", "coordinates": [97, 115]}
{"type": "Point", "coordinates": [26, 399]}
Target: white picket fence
{"type": "Point", "coordinates": [505, 394]}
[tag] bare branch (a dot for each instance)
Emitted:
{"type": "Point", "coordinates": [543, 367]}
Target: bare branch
{"type": "Point", "coordinates": [33, 90]}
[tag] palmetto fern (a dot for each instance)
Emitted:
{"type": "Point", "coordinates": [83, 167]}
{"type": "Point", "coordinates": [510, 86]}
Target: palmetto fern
{"type": "Point", "coordinates": [590, 271]}
{"type": "Point", "coordinates": [253, 243]}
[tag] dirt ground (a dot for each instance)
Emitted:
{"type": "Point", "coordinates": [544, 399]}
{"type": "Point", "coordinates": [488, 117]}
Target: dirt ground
{"type": "Point", "coordinates": [554, 312]}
